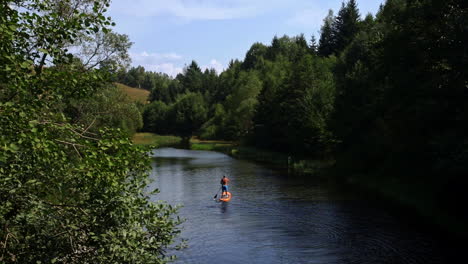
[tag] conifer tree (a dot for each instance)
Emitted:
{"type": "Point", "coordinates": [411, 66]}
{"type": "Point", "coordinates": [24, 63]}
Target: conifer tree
{"type": "Point", "coordinates": [313, 47]}
{"type": "Point", "coordinates": [346, 25]}
{"type": "Point", "coordinates": [327, 38]}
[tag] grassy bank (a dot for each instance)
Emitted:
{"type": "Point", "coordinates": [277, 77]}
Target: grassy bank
{"type": "Point", "coordinates": [157, 141]}
{"type": "Point", "coordinates": [211, 145]}
{"type": "Point", "coordinates": [281, 161]}
{"type": "Point", "coordinates": [136, 94]}
{"type": "Point", "coordinates": [415, 200]}
{"type": "Point", "coordinates": [270, 159]}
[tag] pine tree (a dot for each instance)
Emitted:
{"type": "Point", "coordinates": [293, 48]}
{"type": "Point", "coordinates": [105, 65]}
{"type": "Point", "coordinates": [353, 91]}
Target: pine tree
{"type": "Point", "coordinates": [313, 47]}
{"type": "Point", "coordinates": [301, 41]}
{"type": "Point", "coordinates": [327, 39]}
{"type": "Point", "coordinates": [192, 79]}
{"type": "Point", "coordinates": [301, 48]}
{"type": "Point", "coordinates": [346, 25]}
{"type": "Point", "coordinates": [255, 56]}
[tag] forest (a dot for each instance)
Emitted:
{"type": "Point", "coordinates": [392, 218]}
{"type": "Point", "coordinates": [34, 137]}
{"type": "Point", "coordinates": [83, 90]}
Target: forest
{"type": "Point", "coordinates": [381, 95]}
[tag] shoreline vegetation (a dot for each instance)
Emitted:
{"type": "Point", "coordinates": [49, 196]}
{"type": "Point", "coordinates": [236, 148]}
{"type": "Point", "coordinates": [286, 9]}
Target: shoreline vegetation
{"type": "Point", "coordinates": [379, 101]}
{"type": "Point", "coordinates": [155, 141]}
{"type": "Point", "coordinates": [72, 185]}
{"type": "Point", "coordinates": [271, 159]}
{"type": "Point", "coordinates": [416, 202]}
{"type": "Point", "coordinates": [379, 96]}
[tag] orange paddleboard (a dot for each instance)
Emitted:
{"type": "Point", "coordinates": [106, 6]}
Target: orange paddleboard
{"type": "Point", "coordinates": [226, 197]}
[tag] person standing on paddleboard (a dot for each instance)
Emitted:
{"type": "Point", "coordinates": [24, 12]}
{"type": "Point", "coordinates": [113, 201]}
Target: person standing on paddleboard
{"type": "Point", "coordinates": [224, 185]}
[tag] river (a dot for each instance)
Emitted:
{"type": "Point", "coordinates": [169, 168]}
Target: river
{"type": "Point", "coordinates": [273, 218]}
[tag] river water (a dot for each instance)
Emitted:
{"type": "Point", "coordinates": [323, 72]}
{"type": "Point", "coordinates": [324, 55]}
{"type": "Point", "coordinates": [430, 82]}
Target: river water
{"type": "Point", "coordinates": [273, 218]}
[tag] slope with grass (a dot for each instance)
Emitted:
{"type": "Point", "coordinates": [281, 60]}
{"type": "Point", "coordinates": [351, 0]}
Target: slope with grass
{"type": "Point", "coordinates": [136, 94]}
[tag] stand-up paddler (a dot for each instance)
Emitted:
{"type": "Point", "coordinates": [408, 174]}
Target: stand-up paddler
{"type": "Point", "coordinates": [224, 185]}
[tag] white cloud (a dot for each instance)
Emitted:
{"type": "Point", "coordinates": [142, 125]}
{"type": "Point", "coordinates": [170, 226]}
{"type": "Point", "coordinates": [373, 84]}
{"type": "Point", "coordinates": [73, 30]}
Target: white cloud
{"type": "Point", "coordinates": [168, 68]}
{"type": "Point", "coordinates": [196, 9]}
{"type": "Point", "coordinates": [158, 62]}
{"type": "Point", "coordinates": [169, 63]}
{"type": "Point", "coordinates": [214, 64]}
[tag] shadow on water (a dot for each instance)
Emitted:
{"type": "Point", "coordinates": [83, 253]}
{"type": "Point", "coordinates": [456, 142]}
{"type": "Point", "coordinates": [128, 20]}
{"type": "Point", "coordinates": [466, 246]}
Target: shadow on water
{"type": "Point", "coordinates": [273, 218]}
{"type": "Point", "coordinates": [224, 207]}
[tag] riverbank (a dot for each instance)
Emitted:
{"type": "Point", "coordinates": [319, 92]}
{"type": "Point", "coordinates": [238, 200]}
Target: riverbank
{"type": "Point", "coordinates": [156, 141]}
{"type": "Point", "coordinates": [270, 159]}
{"type": "Point", "coordinates": [420, 201]}
{"type": "Point", "coordinates": [416, 200]}
{"type": "Point", "coordinates": [275, 217]}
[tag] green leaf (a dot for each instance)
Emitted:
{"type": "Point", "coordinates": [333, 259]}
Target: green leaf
{"type": "Point", "coordinates": [13, 147]}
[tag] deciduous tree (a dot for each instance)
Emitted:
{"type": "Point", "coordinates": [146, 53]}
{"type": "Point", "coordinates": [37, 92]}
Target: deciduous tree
{"type": "Point", "coordinates": [69, 194]}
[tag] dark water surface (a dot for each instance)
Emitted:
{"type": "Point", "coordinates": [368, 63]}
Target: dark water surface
{"type": "Point", "coordinates": [273, 218]}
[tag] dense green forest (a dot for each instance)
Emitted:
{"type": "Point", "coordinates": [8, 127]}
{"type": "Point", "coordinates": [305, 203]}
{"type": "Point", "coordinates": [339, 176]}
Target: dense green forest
{"type": "Point", "coordinates": [72, 185]}
{"type": "Point", "coordinates": [382, 95]}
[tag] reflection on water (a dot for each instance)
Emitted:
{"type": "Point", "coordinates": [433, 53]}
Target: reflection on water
{"type": "Point", "coordinates": [277, 219]}
{"type": "Point", "coordinates": [224, 208]}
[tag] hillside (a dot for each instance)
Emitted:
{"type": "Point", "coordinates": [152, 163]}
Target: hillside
{"type": "Point", "coordinates": [136, 94]}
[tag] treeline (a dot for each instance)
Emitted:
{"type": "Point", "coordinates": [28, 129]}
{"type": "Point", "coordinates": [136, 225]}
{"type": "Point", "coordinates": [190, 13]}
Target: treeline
{"type": "Point", "coordinates": [384, 95]}
{"type": "Point", "coordinates": [139, 78]}
{"type": "Point", "coordinates": [226, 105]}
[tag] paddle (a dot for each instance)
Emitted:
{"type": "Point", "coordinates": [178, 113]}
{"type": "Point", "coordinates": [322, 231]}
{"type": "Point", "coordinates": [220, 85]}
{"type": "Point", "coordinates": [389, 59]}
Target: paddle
{"type": "Point", "coordinates": [216, 195]}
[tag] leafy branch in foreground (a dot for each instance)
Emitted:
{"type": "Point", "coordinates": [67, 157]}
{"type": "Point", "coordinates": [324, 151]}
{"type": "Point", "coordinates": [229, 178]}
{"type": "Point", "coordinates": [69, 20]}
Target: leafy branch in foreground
{"type": "Point", "coordinates": [70, 193]}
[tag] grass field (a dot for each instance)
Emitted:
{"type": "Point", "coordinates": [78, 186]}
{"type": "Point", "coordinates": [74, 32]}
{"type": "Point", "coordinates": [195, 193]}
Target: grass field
{"type": "Point", "coordinates": [150, 139]}
{"type": "Point", "coordinates": [212, 145]}
{"type": "Point", "coordinates": [139, 95]}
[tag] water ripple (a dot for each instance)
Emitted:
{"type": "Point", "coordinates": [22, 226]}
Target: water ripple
{"type": "Point", "coordinates": [275, 219]}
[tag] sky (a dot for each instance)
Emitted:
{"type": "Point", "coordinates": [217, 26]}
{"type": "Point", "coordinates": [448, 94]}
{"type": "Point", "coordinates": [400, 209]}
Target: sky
{"type": "Point", "coordinates": [168, 34]}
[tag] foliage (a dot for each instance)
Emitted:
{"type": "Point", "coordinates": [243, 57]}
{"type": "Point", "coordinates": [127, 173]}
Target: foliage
{"type": "Point", "coordinates": [385, 93]}
{"type": "Point", "coordinates": [70, 192]}
{"type": "Point", "coordinates": [103, 49]}
{"type": "Point", "coordinates": [240, 105]}
{"type": "Point", "coordinates": [346, 25]}
{"type": "Point", "coordinates": [156, 118]}
{"type": "Point", "coordinates": [109, 107]}
{"type": "Point", "coordinates": [327, 38]}
{"type": "Point", "coordinates": [156, 83]}
{"type": "Point", "coordinates": [401, 92]}
{"type": "Point", "coordinates": [170, 110]}
{"type": "Point", "coordinates": [189, 113]}
{"type": "Point", "coordinates": [384, 96]}
{"type": "Point", "coordinates": [338, 32]}
{"type": "Point", "coordinates": [213, 128]}
{"type": "Point", "coordinates": [192, 78]}
{"type": "Point", "coordinates": [255, 57]}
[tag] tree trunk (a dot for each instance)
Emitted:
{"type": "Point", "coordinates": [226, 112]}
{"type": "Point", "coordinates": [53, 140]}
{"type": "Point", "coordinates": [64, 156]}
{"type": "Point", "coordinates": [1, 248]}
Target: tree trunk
{"type": "Point", "coordinates": [185, 142]}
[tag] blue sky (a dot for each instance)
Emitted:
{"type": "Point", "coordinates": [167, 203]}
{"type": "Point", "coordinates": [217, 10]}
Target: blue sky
{"type": "Point", "coordinates": [169, 34]}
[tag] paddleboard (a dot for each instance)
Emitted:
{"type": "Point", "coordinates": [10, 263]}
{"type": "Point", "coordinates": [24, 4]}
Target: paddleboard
{"type": "Point", "coordinates": [226, 198]}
